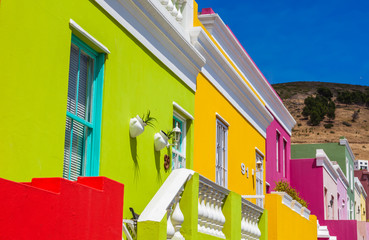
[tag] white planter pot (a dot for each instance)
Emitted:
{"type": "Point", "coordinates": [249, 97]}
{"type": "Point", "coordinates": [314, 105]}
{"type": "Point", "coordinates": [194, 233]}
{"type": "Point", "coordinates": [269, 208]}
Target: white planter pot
{"type": "Point", "coordinates": [136, 126]}
{"type": "Point", "coordinates": [297, 207]}
{"type": "Point", "coordinates": [160, 141]}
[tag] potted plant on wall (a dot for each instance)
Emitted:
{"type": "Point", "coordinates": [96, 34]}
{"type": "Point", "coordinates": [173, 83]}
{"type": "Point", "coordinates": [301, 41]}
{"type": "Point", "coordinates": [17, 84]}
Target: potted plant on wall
{"type": "Point", "coordinates": [137, 124]}
{"type": "Point", "coordinates": [161, 139]}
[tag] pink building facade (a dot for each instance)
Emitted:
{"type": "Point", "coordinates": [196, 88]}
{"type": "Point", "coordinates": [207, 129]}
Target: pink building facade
{"type": "Point", "coordinates": [342, 198]}
{"type": "Point", "coordinates": [278, 155]}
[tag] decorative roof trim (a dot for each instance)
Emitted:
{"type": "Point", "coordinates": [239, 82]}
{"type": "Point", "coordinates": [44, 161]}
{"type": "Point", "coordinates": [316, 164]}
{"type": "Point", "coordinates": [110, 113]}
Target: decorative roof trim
{"type": "Point", "coordinates": [345, 142]}
{"type": "Point", "coordinates": [341, 175]}
{"type": "Point", "coordinates": [226, 79]}
{"type": "Point", "coordinates": [234, 50]}
{"type": "Point", "coordinates": [322, 160]}
{"type": "Point", "coordinates": [150, 23]}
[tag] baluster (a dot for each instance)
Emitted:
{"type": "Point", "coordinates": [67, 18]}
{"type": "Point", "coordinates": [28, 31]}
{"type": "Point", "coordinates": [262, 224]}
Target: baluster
{"type": "Point", "coordinates": [222, 217]}
{"type": "Point", "coordinates": [174, 11]}
{"type": "Point", "coordinates": [209, 219]}
{"type": "Point", "coordinates": [170, 6]}
{"type": "Point", "coordinates": [204, 209]}
{"type": "Point", "coordinates": [218, 218]}
{"type": "Point", "coordinates": [177, 220]}
{"type": "Point", "coordinates": [248, 225]}
{"type": "Point", "coordinates": [200, 208]}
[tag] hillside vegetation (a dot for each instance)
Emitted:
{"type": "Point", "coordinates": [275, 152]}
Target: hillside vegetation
{"type": "Point", "coordinates": [351, 120]}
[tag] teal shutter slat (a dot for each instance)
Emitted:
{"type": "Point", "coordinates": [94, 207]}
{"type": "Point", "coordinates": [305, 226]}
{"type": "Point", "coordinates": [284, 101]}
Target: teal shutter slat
{"type": "Point", "coordinates": [72, 81]}
{"type": "Point", "coordinates": [68, 129]}
{"type": "Point", "coordinates": [77, 154]}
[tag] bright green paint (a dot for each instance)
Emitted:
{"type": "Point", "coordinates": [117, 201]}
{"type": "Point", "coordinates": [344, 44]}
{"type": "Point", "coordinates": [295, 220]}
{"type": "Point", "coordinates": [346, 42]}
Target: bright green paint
{"type": "Point", "coordinates": [263, 225]}
{"type": "Point", "coordinates": [35, 81]}
{"type": "Point", "coordinates": [189, 207]}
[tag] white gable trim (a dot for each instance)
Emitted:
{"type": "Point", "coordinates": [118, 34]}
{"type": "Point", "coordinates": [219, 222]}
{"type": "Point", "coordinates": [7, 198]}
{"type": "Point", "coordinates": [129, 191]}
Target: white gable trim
{"type": "Point", "coordinates": [149, 23]}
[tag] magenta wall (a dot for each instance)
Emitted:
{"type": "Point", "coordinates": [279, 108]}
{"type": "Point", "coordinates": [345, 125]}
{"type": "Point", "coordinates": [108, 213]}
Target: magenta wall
{"type": "Point", "coordinates": [341, 190]}
{"type": "Point", "coordinates": [271, 174]}
{"type": "Point", "coordinates": [307, 179]}
{"type": "Point", "coordinates": [343, 229]}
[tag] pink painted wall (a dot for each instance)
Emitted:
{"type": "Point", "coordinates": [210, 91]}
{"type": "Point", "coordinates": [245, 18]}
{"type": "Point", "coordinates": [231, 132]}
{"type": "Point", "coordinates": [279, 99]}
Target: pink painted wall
{"type": "Point", "coordinates": [361, 230]}
{"type": "Point", "coordinates": [307, 179]}
{"type": "Point", "coordinates": [271, 174]}
{"type": "Point", "coordinates": [343, 229]}
{"type": "Point", "coordinates": [341, 190]}
{"type": "Point", "coordinates": [331, 213]}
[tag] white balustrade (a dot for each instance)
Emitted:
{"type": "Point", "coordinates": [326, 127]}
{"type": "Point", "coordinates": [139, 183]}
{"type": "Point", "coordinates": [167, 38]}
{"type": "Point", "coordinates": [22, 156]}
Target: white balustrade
{"type": "Point", "coordinates": [175, 219]}
{"type": "Point", "coordinates": [210, 216]}
{"type": "Point", "coordinates": [249, 221]}
{"type": "Point", "coordinates": [175, 8]}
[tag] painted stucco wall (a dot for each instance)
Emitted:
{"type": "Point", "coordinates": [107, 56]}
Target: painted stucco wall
{"type": "Point", "coordinates": [271, 174]}
{"type": "Point", "coordinates": [357, 206]}
{"type": "Point", "coordinates": [361, 230]}
{"type": "Point", "coordinates": [362, 208]}
{"type": "Point", "coordinates": [342, 200]}
{"type": "Point", "coordinates": [242, 138]}
{"type": "Point", "coordinates": [35, 98]}
{"type": "Point", "coordinates": [285, 224]}
{"type": "Point", "coordinates": [364, 179]}
{"type": "Point", "coordinates": [343, 229]}
{"type": "Point", "coordinates": [331, 213]}
{"type": "Point", "coordinates": [334, 151]}
{"type": "Point", "coordinates": [303, 170]}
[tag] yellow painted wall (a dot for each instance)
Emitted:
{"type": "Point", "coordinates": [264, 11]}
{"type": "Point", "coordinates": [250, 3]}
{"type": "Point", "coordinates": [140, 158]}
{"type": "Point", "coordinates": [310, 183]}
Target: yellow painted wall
{"type": "Point", "coordinates": [242, 138]}
{"type": "Point", "coordinates": [363, 208]}
{"type": "Point", "coordinates": [197, 23]}
{"type": "Point", "coordinates": [285, 224]}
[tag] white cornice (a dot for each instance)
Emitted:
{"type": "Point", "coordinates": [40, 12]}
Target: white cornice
{"type": "Point", "coordinates": [345, 142]}
{"type": "Point", "coordinates": [341, 175]}
{"type": "Point", "coordinates": [247, 67]}
{"type": "Point", "coordinates": [322, 160]}
{"type": "Point", "coordinates": [227, 81]}
{"type": "Point", "coordinates": [153, 26]}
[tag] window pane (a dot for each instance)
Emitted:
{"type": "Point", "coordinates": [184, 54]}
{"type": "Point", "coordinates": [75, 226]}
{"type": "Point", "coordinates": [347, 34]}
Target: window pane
{"type": "Point", "coordinates": [72, 81]}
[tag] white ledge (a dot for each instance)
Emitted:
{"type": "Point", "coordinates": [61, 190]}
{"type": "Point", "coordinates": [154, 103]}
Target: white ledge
{"type": "Point", "coordinates": [157, 207]}
{"type": "Point", "coordinates": [79, 29]}
{"type": "Point", "coordinates": [183, 111]}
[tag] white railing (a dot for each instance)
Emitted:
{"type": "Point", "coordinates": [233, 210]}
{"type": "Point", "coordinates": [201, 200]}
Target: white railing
{"type": "Point", "coordinates": [210, 216]}
{"type": "Point", "coordinates": [249, 221]}
{"type": "Point", "coordinates": [293, 204]}
{"type": "Point", "coordinates": [175, 8]}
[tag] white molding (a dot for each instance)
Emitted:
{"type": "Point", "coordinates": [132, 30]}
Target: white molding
{"type": "Point", "coordinates": [182, 111]}
{"type": "Point", "coordinates": [322, 160]}
{"type": "Point", "coordinates": [229, 83]}
{"type": "Point", "coordinates": [345, 142]}
{"type": "Point", "coordinates": [157, 207]}
{"type": "Point", "coordinates": [260, 152]}
{"type": "Point", "coordinates": [234, 50]}
{"type": "Point", "coordinates": [79, 29]}
{"type": "Point", "coordinates": [341, 176]}
{"type": "Point", "coordinates": [222, 119]}
{"type": "Point", "coordinates": [149, 23]}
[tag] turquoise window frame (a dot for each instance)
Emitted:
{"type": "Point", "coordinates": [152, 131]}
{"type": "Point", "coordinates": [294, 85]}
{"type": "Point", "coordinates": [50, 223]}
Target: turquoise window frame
{"type": "Point", "coordinates": [92, 161]}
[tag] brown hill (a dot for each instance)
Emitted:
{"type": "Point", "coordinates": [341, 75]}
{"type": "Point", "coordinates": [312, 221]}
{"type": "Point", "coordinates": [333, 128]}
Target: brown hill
{"type": "Point", "coordinates": [293, 95]}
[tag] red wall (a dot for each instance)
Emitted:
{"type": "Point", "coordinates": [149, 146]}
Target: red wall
{"type": "Point", "coordinates": [56, 208]}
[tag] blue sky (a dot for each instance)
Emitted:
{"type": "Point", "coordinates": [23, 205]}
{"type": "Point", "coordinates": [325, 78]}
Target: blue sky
{"type": "Point", "coordinates": [326, 40]}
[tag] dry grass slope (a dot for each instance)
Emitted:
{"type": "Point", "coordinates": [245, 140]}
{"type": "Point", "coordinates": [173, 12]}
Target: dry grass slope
{"type": "Point", "coordinates": [293, 95]}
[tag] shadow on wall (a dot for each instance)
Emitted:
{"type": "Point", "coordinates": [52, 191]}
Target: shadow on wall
{"type": "Point", "coordinates": [133, 146]}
